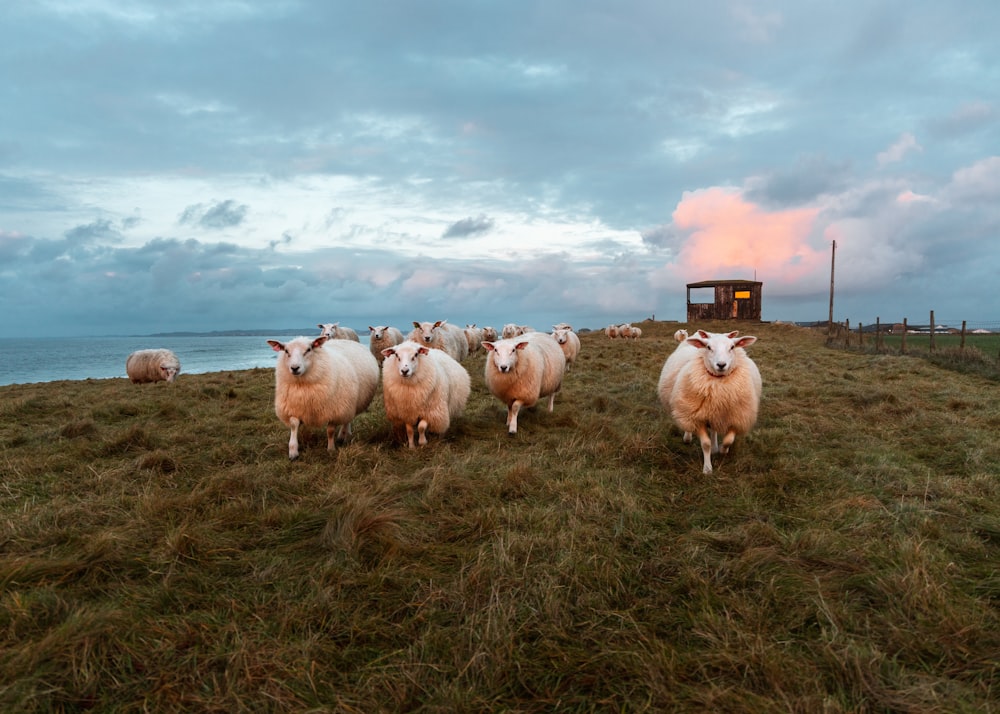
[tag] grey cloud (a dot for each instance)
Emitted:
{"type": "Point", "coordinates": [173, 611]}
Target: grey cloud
{"type": "Point", "coordinates": [807, 179]}
{"type": "Point", "coordinates": [225, 214]}
{"type": "Point", "coordinates": [100, 230]}
{"type": "Point", "coordinates": [469, 227]}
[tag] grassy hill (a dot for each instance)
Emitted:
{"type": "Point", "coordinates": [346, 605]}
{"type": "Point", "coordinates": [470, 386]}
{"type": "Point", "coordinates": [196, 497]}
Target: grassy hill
{"type": "Point", "coordinates": [160, 552]}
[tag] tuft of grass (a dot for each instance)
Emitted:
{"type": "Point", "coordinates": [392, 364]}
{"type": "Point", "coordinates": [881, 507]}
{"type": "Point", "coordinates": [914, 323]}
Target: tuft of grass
{"type": "Point", "coordinates": [161, 553]}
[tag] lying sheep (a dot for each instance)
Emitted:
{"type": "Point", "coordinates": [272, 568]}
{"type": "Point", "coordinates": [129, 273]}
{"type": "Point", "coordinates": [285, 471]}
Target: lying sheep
{"type": "Point", "coordinates": [442, 336]}
{"type": "Point", "coordinates": [333, 331]}
{"type": "Point", "coordinates": [422, 388]}
{"type": "Point", "coordinates": [322, 382]}
{"type": "Point", "coordinates": [568, 342]}
{"type": "Point", "coordinates": [155, 365]}
{"type": "Point", "coordinates": [474, 337]}
{"type": "Point", "coordinates": [381, 337]}
{"type": "Point", "coordinates": [521, 370]}
{"type": "Point", "coordinates": [717, 391]}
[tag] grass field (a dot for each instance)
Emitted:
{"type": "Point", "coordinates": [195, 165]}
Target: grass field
{"type": "Point", "coordinates": [161, 553]}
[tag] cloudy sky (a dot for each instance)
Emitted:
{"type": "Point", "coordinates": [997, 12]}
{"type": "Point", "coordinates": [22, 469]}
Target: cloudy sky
{"type": "Point", "coordinates": [229, 164]}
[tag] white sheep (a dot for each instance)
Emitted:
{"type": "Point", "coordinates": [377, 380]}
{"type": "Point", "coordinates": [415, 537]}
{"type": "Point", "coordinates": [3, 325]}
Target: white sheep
{"type": "Point", "coordinates": [510, 330]}
{"type": "Point", "coordinates": [681, 335]}
{"type": "Point", "coordinates": [322, 382]}
{"type": "Point", "coordinates": [521, 370]}
{"type": "Point", "coordinates": [672, 366]}
{"type": "Point", "coordinates": [423, 388]}
{"type": "Point", "coordinates": [716, 392]}
{"type": "Point", "coordinates": [442, 336]}
{"type": "Point", "coordinates": [611, 331]}
{"type": "Point", "coordinates": [381, 337]}
{"type": "Point", "coordinates": [153, 365]}
{"type": "Point", "coordinates": [334, 331]}
{"type": "Point", "coordinates": [568, 342]}
{"type": "Point", "coordinates": [489, 334]}
{"type": "Point", "coordinates": [474, 337]}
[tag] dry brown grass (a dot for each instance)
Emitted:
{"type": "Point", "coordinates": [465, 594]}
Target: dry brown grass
{"type": "Point", "coordinates": [160, 552]}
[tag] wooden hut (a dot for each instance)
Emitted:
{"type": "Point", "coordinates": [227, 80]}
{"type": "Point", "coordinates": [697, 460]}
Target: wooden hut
{"type": "Point", "coordinates": [734, 300]}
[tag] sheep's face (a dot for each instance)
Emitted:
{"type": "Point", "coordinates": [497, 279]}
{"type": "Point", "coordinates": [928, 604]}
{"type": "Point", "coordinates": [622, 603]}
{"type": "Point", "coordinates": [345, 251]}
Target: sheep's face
{"type": "Point", "coordinates": [377, 332]}
{"type": "Point", "coordinates": [561, 335]}
{"type": "Point", "coordinates": [328, 329]}
{"type": "Point", "coordinates": [169, 371]}
{"type": "Point", "coordinates": [504, 354]}
{"type": "Point", "coordinates": [425, 331]}
{"type": "Point", "coordinates": [718, 351]}
{"type": "Point", "coordinates": [404, 357]}
{"type": "Point", "coordinates": [296, 356]}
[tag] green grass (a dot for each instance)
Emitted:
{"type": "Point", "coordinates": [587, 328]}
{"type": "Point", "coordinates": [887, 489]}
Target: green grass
{"type": "Point", "coordinates": [160, 552]}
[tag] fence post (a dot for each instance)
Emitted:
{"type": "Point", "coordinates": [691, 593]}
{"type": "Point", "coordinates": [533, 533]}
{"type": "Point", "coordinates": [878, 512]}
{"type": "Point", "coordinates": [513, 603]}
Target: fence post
{"type": "Point", "coordinates": [902, 346]}
{"type": "Point", "coordinates": [878, 334]}
{"type": "Point", "coordinates": [861, 336]}
{"type": "Point", "coordinates": [931, 346]}
{"type": "Point", "coordinates": [847, 333]}
{"type": "Point", "coordinates": [961, 346]}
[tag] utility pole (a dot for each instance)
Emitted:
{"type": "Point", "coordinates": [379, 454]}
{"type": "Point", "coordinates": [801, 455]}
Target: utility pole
{"type": "Point", "coordinates": [833, 260]}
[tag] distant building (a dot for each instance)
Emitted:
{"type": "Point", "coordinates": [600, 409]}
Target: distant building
{"type": "Point", "coordinates": [733, 300]}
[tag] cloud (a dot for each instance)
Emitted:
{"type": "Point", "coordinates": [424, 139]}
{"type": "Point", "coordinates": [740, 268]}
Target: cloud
{"type": "Point", "coordinates": [469, 227]}
{"type": "Point", "coordinates": [906, 144]}
{"type": "Point", "coordinates": [226, 214]}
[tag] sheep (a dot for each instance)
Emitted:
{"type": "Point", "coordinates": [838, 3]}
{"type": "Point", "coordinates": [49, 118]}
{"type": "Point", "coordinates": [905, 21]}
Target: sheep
{"type": "Point", "coordinates": [510, 330]}
{"type": "Point", "coordinates": [489, 334]}
{"type": "Point", "coordinates": [381, 337]}
{"type": "Point", "coordinates": [422, 388]}
{"type": "Point", "coordinates": [716, 392]}
{"type": "Point", "coordinates": [568, 342]}
{"type": "Point", "coordinates": [334, 331]}
{"type": "Point", "coordinates": [153, 365]}
{"type": "Point", "coordinates": [474, 336]}
{"type": "Point", "coordinates": [440, 335]}
{"type": "Point", "coordinates": [320, 382]}
{"type": "Point", "coordinates": [611, 331]}
{"type": "Point", "coordinates": [681, 335]}
{"type": "Point", "coordinates": [673, 364]}
{"type": "Point", "coordinates": [521, 370]}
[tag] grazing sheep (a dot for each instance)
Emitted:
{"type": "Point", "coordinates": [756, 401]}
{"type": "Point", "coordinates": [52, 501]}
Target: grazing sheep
{"type": "Point", "coordinates": [489, 334]}
{"type": "Point", "coordinates": [474, 336]}
{"type": "Point", "coordinates": [717, 392]}
{"type": "Point", "coordinates": [381, 337]}
{"type": "Point", "coordinates": [423, 388]}
{"type": "Point", "coordinates": [321, 382]}
{"type": "Point", "coordinates": [521, 370]}
{"type": "Point", "coordinates": [155, 365]}
{"type": "Point", "coordinates": [568, 342]}
{"type": "Point", "coordinates": [333, 331]}
{"type": "Point", "coordinates": [442, 336]}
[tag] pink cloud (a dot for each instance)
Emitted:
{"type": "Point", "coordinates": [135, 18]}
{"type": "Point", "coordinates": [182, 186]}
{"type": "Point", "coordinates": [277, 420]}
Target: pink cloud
{"type": "Point", "coordinates": [730, 237]}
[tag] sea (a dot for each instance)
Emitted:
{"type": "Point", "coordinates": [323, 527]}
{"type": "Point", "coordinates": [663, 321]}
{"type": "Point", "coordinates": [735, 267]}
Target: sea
{"type": "Point", "coordinates": [50, 359]}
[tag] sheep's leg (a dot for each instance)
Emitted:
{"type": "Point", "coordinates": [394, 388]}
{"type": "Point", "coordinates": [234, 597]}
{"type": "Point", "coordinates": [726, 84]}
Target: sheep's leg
{"type": "Point", "coordinates": [422, 430]}
{"type": "Point", "coordinates": [409, 436]}
{"type": "Point", "coordinates": [728, 440]}
{"type": "Point", "coordinates": [512, 411]}
{"type": "Point", "coordinates": [706, 448]}
{"type": "Point", "coordinates": [293, 440]}
{"type": "Point", "coordinates": [687, 437]}
{"type": "Point", "coordinates": [331, 442]}
{"type": "Point", "coordinates": [715, 441]}
{"type": "Point", "coordinates": [344, 433]}
{"type": "Point", "coordinates": [552, 400]}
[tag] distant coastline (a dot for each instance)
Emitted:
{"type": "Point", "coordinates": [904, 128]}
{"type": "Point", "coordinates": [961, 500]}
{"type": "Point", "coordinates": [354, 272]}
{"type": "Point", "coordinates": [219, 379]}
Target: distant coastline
{"type": "Point", "coordinates": [237, 333]}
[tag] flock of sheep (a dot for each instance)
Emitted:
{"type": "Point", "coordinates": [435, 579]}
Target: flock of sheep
{"type": "Point", "coordinates": [709, 384]}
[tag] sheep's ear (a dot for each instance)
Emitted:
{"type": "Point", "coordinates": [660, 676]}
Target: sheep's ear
{"type": "Point", "coordinates": [423, 350]}
{"type": "Point", "coordinates": [276, 346]}
{"type": "Point", "coordinates": [318, 342]}
{"type": "Point", "coordinates": [416, 324]}
{"type": "Point", "coordinates": [745, 341]}
{"type": "Point", "coordinates": [733, 334]}
{"type": "Point", "coordinates": [522, 345]}
{"type": "Point", "coordinates": [697, 342]}
{"type": "Point", "coordinates": [388, 352]}
{"type": "Point", "coordinates": [488, 346]}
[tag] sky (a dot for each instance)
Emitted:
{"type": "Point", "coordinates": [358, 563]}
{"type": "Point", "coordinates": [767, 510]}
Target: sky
{"type": "Point", "coordinates": [238, 164]}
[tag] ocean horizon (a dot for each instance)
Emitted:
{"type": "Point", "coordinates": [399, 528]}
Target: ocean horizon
{"type": "Point", "coordinates": [51, 359]}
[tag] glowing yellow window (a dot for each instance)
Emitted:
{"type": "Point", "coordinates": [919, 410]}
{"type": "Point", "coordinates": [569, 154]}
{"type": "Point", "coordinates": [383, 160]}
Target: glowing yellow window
{"type": "Point", "coordinates": [742, 294]}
